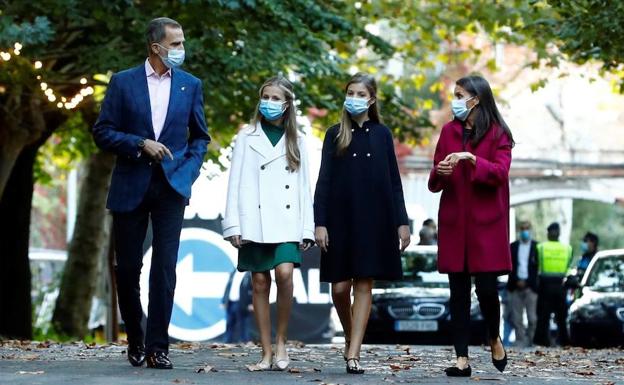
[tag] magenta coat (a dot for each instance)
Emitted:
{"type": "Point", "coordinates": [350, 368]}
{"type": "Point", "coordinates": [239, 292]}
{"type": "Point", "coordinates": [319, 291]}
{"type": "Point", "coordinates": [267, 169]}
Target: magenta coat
{"type": "Point", "coordinates": [473, 219]}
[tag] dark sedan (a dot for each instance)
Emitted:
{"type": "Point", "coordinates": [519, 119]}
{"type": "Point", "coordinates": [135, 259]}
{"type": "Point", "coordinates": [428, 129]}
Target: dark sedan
{"type": "Point", "coordinates": [596, 318]}
{"type": "Point", "coordinates": [415, 310]}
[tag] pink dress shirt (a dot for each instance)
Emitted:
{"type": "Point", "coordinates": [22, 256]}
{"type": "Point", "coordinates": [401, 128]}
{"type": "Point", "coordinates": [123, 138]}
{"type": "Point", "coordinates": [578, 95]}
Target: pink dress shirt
{"type": "Point", "coordinates": [159, 91]}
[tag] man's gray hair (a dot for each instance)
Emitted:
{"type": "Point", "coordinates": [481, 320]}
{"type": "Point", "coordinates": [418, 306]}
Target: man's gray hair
{"type": "Point", "coordinates": [156, 29]}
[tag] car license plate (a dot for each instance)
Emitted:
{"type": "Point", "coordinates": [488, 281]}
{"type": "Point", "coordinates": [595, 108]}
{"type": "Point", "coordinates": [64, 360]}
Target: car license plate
{"type": "Point", "coordinates": [415, 326]}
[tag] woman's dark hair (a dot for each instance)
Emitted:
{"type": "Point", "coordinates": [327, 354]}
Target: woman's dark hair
{"type": "Point", "coordinates": [486, 112]}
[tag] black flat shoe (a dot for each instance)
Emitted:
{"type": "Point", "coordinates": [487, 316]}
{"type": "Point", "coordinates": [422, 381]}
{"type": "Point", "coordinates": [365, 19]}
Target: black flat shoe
{"type": "Point", "coordinates": [136, 355]}
{"type": "Point", "coordinates": [159, 360]}
{"type": "Point", "coordinates": [500, 364]}
{"type": "Point", "coordinates": [355, 368]}
{"type": "Point", "coordinates": [454, 371]}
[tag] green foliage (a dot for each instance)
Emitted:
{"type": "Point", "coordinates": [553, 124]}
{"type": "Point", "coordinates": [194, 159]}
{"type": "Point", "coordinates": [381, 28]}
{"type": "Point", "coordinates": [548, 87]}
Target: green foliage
{"type": "Point", "coordinates": [605, 220]}
{"type": "Point", "coordinates": [234, 45]}
{"type": "Point", "coordinates": [37, 32]}
{"type": "Point", "coordinates": [581, 30]}
{"type": "Point", "coordinates": [65, 149]}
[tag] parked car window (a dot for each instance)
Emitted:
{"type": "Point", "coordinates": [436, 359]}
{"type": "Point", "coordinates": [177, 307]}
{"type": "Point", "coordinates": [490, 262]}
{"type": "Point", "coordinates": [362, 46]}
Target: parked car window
{"type": "Point", "coordinates": [607, 274]}
{"type": "Point", "coordinates": [420, 269]}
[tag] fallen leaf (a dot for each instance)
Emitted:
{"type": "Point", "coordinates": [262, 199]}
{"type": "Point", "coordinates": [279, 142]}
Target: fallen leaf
{"type": "Point", "coordinates": [233, 354]}
{"type": "Point", "coordinates": [206, 369]}
{"type": "Point", "coordinates": [404, 358]}
{"type": "Point", "coordinates": [584, 373]}
{"type": "Point", "coordinates": [186, 346]}
{"type": "Point", "coordinates": [305, 370]}
{"type": "Point", "coordinates": [35, 372]}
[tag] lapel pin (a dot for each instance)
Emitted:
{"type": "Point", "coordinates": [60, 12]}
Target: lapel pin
{"type": "Point", "coordinates": [183, 88]}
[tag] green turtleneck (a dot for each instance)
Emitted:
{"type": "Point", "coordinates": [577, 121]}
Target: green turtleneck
{"type": "Point", "coordinates": [274, 133]}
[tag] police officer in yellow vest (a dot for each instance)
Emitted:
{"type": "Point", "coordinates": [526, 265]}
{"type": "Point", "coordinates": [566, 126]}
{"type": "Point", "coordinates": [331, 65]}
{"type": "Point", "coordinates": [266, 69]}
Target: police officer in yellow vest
{"type": "Point", "coordinates": [554, 260]}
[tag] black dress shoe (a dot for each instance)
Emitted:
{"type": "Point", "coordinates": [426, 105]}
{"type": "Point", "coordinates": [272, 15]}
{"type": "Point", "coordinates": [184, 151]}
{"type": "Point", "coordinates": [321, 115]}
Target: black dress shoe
{"type": "Point", "coordinates": [500, 364]}
{"type": "Point", "coordinates": [454, 371]}
{"type": "Point", "coordinates": [159, 360]}
{"type": "Point", "coordinates": [136, 355]}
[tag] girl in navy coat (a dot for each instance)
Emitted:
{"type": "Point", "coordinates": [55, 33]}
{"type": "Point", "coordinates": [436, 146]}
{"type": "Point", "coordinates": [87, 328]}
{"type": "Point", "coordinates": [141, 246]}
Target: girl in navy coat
{"type": "Point", "coordinates": [359, 211]}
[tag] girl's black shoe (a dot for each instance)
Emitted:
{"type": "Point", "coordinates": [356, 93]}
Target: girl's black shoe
{"type": "Point", "coordinates": [454, 371]}
{"type": "Point", "coordinates": [353, 366]}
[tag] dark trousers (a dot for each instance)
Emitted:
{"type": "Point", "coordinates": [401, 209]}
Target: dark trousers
{"type": "Point", "coordinates": [551, 298]}
{"type": "Point", "coordinates": [487, 294]}
{"type": "Point", "coordinates": [165, 207]}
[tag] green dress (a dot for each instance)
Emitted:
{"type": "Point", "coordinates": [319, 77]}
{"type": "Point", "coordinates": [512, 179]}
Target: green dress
{"type": "Point", "coordinates": [258, 257]}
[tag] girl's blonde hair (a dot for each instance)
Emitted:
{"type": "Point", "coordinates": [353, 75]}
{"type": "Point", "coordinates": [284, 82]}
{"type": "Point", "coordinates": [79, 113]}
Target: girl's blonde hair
{"type": "Point", "coordinates": [289, 118]}
{"type": "Point", "coordinates": [343, 139]}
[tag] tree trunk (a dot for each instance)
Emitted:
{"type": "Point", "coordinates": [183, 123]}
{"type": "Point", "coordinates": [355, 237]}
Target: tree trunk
{"type": "Point", "coordinates": [8, 156]}
{"type": "Point", "coordinates": [15, 278]}
{"type": "Point", "coordinates": [88, 246]}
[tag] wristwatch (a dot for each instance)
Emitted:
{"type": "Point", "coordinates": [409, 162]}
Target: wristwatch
{"type": "Point", "coordinates": [141, 144]}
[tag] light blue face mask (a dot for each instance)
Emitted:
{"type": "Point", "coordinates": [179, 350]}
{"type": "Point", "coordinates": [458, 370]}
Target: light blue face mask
{"type": "Point", "coordinates": [174, 58]}
{"type": "Point", "coordinates": [459, 108]}
{"type": "Point", "coordinates": [270, 109]}
{"type": "Point", "coordinates": [584, 247]}
{"type": "Point", "coordinates": [355, 106]}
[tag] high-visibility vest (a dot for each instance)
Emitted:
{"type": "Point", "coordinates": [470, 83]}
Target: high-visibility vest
{"type": "Point", "coordinates": [554, 258]}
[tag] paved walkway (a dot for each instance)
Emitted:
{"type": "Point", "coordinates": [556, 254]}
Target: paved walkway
{"type": "Point", "coordinates": [77, 363]}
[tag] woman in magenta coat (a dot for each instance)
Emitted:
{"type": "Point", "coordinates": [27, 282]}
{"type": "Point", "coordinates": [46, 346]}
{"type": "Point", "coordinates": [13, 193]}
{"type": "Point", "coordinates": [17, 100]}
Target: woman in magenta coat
{"type": "Point", "coordinates": [471, 168]}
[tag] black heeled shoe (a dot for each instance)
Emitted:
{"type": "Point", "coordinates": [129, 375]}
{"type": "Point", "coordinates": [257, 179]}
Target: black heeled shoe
{"type": "Point", "coordinates": [502, 363]}
{"type": "Point", "coordinates": [355, 368]}
{"type": "Point", "coordinates": [454, 371]}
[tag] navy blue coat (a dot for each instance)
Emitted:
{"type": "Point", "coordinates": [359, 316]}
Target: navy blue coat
{"type": "Point", "coordinates": [359, 198]}
{"type": "Point", "coordinates": [126, 118]}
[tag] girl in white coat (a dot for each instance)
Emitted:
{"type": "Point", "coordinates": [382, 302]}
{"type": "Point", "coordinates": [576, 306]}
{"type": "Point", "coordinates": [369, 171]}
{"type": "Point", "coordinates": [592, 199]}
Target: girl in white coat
{"type": "Point", "coordinates": [269, 215]}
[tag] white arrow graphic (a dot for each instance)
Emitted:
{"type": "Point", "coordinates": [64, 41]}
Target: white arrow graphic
{"type": "Point", "coordinates": [193, 284]}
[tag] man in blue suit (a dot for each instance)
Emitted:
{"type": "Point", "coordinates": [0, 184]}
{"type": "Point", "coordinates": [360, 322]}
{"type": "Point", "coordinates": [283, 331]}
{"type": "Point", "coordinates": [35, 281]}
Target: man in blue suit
{"type": "Point", "coordinates": [153, 119]}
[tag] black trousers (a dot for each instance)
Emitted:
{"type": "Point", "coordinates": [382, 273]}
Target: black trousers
{"type": "Point", "coordinates": [165, 207]}
{"type": "Point", "coordinates": [551, 298]}
{"type": "Point", "coordinates": [487, 294]}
